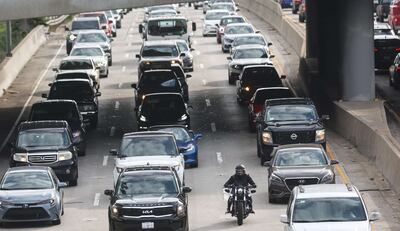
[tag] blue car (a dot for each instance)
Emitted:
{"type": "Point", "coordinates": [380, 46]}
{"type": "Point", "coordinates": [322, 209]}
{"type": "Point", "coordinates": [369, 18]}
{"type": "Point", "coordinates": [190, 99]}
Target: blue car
{"type": "Point", "coordinates": [285, 3]}
{"type": "Point", "coordinates": [186, 141]}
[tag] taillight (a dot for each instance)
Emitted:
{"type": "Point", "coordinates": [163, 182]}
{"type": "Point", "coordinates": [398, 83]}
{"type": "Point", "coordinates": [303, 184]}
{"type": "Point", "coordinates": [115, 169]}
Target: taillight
{"type": "Point", "coordinates": [257, 108]}
{"type": "Point", "coordinates": [398, 69]}
{"type": "Point", "coordinates": [375, 49]}
{"type": "Point", "coordinates": [397, 49]}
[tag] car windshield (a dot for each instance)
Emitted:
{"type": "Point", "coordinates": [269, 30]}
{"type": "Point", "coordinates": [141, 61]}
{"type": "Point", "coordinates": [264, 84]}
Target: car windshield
{"type": "Point", "coordinates": [182, 46]}
{"type": "Point", "coordinates": [216, 15]}
{"type": "Point", "coordinates": [300, 157]}
{"type": "Point", "coordinates": [250, 54]}
{"type": "Point", "coordinates": [54, 112]}
{"type": "Point", "coordinates": [40, 138]}
{"type": "Point", "coordinates": [329, 210]}
{"type": "Point", "coordinates": [239, 30]}
{"type": "Point", "coordinates": [148, 146]}
{"type": "Point", "coordinates": [76, 65]}
{"type": "Point", "coordinates": [152, 51]}
{"type": "Point", "coordinates": [167, 106]}
{"type": "Point", "coordinates": [264, 77]}
{"type": "Point", "coordinates": [85, 25]}
{"type": "Point", "coordinates": [147, 184]}
{"type": "Point", "coordinates": [291, 113]}
{"type": "Point", "coordinates": [162, 13]}
{"type": "Point", "coordinates": [387, 31]}
{"type": "Point", "coordinates": [228, 7]}
{"type": "Point", "coordinates": [226, 21]}
{"type": "Point", "coordinates": [167, 27]}
{"type": "Point", "coordinates": [95, 51]}
{"type": "Point", "coordinates": [162, 7]}
{"type": "Point", "coordinates": [263, 95]}
{"type": "Point", "coordinates": [73, 76]}
{"type": "Point", "coordinates": [249, 40]}
{"type": "Point", "coordinates": [29, 180]}
{"type": "Point", "coordinates": [387, 43]}
{"type": "Point", "coordinates": [70, 90]}
{"type": "Point", "coordinates": [91, 38]}
{"type": "Point", "coordinates": [102, 17]}
{"type": "Point", "coordinates": [157, 80]}
{"type": "Point", "coordinates": [180, 133]}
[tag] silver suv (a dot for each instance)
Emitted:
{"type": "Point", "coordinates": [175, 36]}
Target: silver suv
{"type": "Point", "coordinates": [321, 207]}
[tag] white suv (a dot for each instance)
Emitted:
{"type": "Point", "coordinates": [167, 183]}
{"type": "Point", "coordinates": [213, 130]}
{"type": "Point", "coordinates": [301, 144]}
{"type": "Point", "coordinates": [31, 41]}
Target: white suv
{"type": "Point", "coordinates": [321, 207]}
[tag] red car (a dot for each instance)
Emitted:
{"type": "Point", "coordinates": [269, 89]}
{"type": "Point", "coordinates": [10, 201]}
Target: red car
{"type": "Point", "coordinates": [225, 21]}
{"type": "Point", "coordinates": [394, 15]}
{"type": "Point", "coordinates": [105, 24]}
{"type": "Point", "coordinates": [257, 102]}
{"type": "Point", "coordinates": [295, 6]}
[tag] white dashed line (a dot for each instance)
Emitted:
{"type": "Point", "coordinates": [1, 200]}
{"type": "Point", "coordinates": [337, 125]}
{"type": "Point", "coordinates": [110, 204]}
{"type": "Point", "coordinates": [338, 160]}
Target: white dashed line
{"type": "Point", "coordinates": [96, 201]}
{"type": "Point", "coordinates": [194, 41]}
{"type": "Point", "coordinates": [201, 66]}
{"type": "Point", "coordinates": [112, 131]}
{"type": "Point", "coordinates": [208, 103]}
{"type": "Point", "coordinates": [198, 52]}
{"type": "Point", "coordinates": [204, 82]}
{"type": "Point", "coordinates": [213, 127]}
{"type": "Point", "coordinates": [116, 108]}
{"type": "Point", "coordinates": [105, 160]}
{"type": "Point", "coordinates": [123, 68]}
{"type": "Point", "coordinates": [127, 55]}
{"type": "Point", "coordinates": [219, 158]}
{"type": "Point", "coordinates": [120, 85]}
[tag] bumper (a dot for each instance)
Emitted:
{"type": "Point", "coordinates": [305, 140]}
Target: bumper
{"type": "Point", "coordinates": [166, 224]}
{"type": "Point", "coordinates": [245, 96]}
{"type": "Point", "coordinates": [190, 157]}
{"type": "Point", "coordinates": [65, 170]}
{"type": "Point", "coordinates": [278, 190]}
{"type": "Point", "coordinates": [34, 213]}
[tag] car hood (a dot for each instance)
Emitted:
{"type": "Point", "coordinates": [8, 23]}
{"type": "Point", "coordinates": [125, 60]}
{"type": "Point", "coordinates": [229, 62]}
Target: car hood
{"type": "Point", "coordinates": [250, 61]}
{"type": "Point", "coordinates": [26, 196]}
{"type": "Point", "coordinates": [38, 149]}
{"type": "Point", "coordinates": [148, 160]}
{"type": "Point", "coordinates": [288, 172]}
{"type": "Point", "coordinates": [332, 226]}
{"type": "Point", "coordinates": [211, 22]}
{"type": "Point", "coordinates": [147, 200]}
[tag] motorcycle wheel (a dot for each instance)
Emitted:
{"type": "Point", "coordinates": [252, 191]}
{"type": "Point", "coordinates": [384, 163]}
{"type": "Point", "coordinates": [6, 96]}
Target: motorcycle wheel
{"type": "Point", "coordinates": [240, 213]}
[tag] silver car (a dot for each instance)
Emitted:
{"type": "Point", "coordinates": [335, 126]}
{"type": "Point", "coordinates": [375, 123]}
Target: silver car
{"type": "Point", "coordinates": [211, 21]}
{"type": "Point", "coordinates": [96, 53]}
{"type": "Point", "coordinates": [187, 59]}
{"type": "Point", "coordinates": [96, 37]}
{"type": "Point", "coordinates": [232, 31]}
{"type": "Point", "coordinates": [30, 194]}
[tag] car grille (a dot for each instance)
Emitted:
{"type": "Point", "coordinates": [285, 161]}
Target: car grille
{"type": "Point", "coordinates": [291, 183]}
{"type": "Point", "coordinates": [26, 214]}
{"type": "Point", "coordinates": [157, 211]}
{"type": "Point", "coordinates": [293, 137]}
{"type": "Point", "coordinates": [42, 158]}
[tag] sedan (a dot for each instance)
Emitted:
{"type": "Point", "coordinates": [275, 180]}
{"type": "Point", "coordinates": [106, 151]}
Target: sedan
{"type": "Point", "coordinates": [30, 194]}
{"type": "Point", "coordinates": [95, 52]}
{"type": "Point", "coordinates": [96, 37]}
{"type": "Point", "coordinates": [232, 31]}
{"type": "Point", "coordinates": [297, 164]}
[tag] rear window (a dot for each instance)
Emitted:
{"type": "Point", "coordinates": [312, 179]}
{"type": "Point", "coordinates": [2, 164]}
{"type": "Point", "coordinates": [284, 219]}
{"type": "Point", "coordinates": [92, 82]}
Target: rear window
{"type": "Point", "coordinates": [53, 111]}
{"type": "Point", "coordinates": [152, 51]}
{"type": "Point", "coordinates": [226, 21]}
{"type": "Point", "coordinates": [272, 94]}
{"type": "Point", "coordinates": [85, 25]}
{"type": "Point", "coordinates": [73, 76]}
{"type": "Point", "coordinates": [158, 79]}
{"type": "Point", "coordinates": [76, 65]}
{"type": "Point", "coordinates": [102, 17]}
{"type": "Point", "coordinates": [387, 42]}
{"type": "Point", "coordinates": [71, 90]}
{"type": "Point", "coordinates": [262, 76]}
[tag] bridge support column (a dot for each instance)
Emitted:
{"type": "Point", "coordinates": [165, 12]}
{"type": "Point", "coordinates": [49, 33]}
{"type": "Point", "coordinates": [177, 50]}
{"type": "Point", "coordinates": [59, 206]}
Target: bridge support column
{"type": "Point", "coordinates": [312, 29]}
{"type": "Point", "coordinates": [8, 39]}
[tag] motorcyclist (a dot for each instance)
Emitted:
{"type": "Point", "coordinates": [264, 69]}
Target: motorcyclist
{"type": "Point", "coordinates": [240, 178]}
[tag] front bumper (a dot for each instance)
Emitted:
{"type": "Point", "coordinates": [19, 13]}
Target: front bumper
{"type": "Point", "coordinates": [278, 190]}
{"type": "Point", "coordinates": [191, 157]}
{"type": "Point", "coordinates": [166, 224]}
{"type": "Point", "coordinates": [31, 213]}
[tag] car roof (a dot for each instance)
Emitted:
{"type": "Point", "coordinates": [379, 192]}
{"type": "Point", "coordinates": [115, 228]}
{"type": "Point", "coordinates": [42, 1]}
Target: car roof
{"type": "Point", "coordinates": [249, 35]}
{"type": "Point", "coordinates": [258, 66]}
{"type": "Point", "coordinates": [28, 168]}
{"type": "Point", "coordinates": [271, 88]}
{"type": "Point", "coordinates": [66, 72]}
{"type": "Point", "coordinates": [233, 16]}
{"type": "Point", "coordinates": [166, 17]}
{"type": "Point", "coordinates": [158, 70]}
{"type": "Point", "coordinates": [326, 190]}
{"type": "Point", "coordinates": [147, 133]}
{"type": "Point", "coordinates": [91, 31]}
{"type": "Point", "coordinates": [72, 80]}
{"type": "Point", "coordinates": [159, 42]}
{"type": "Point", "coordinates": [288, 101]}
{"type": "Point", "coordinates": [55, 101]}
{"type": "Point", "coordinates": [71, 58]}
{"type": "Point", "coordinates": [85, 19]}
{"type": "Point", "coordinates": [86, 45]}
{"type": "Point", "coordinates": [289, 146]}
{"type": "Point", "coordinates": [239, 24]}
{"type": "Point", "coordinates": [169, 126]}
{"type": "Point", "coordinates": [381, 26]}
{"type": "Point", "coordinates": [28, 125]}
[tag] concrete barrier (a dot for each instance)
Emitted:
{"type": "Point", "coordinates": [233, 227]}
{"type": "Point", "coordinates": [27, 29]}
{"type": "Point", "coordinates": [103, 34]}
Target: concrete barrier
{"type": "Point", "coordinates": [21, 54]}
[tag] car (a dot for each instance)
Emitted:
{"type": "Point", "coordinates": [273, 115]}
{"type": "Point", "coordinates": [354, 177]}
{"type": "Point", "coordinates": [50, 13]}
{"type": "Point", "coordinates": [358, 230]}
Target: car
{"type": "Point", "coordinates": [187, 59]}
{"type": "Point", "coordinates": [77, 75]}
{"type": "Point", "coordinates": [224, 22]}
{"type": "Point", "coordinates": [96, 37]}
{"type": "Point", "coordinates": [31, 194]}
{"type": "Point", "coordinates": [162, 109]}
{"type": "Point", "coordinates": [394, 15]}
{"type": "Point", "coordinates": [86, 64]}
{"type": "Point", "coordinates": [383, 9]}
{"type": "Point", "coordinates": [297, 164]}
{"type": "Point", "coordinates": [288, 121]}
{"type": "Point", "coordinates": [118, 17]}
{"type": "Point", "coordinates": [324, 206]}
{"type": "Point", "coordinates": [257, 101]}
{"type": "Point", "coordinates": [112, 22]}
{"type": "Point", "coordinates": [250, 39]}
{"type": "Point", "coordinates": [386, 48]}
{"type": "Point", "coordinates": [96, 53]}
{"type": "Point", "coordinates": [230, 7]}
{"type": "Point", "coordinates": [158, 54]}
{"type": "Point", "coordinates": [148, 198]}
{"type": "Point", "coordinates": [244, 56]}
{"type": "Point", "coordinates": [295, 5]}
{"type": "Point", "coordinates": [77, 24]}
{"type": "Point", "coordinates": [210, 20]}
{"type": "Point", "coordinates": [302, 12]}
{"type": "Point", "coordinates": [156, 81]}
{"type": "Point", "coordinates": [62, 110]}
{"type": "Point", "coordinates": [232, 31]}
{"type": "Point", "coordinates": [81, 91]}
{"type": "Point", "coordinates": [47, 143]}
{"type": "Point", "coordinates": [105, 25]}
{"type": "Point", "coordinates": [148, 148]}
{"type": "Point", "coordinates": [186, 140]}
{"type": "Point", "coordinates": [254, 77]}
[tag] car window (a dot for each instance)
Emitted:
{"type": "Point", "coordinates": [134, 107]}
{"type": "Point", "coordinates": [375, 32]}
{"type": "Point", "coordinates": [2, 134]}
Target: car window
{"type": "Point", "coordinates": [95, 51]}
{"type": "Point", "coordinates": [265, 77]}
{"type": "Point", "coordinates": [40, 138]}
{"type": "Point", "coordinates": [291, 113]}
{"type": "Point", "coordinates": [85, 25]}
{"type": "Point", "coordinates": [250, 54]}
{"type": "Point", "coordinates": [26, 181]}
{"type": "Point", "coordinates": [54, 112]}
{"type": "Point", "coordinates": [148, 146]}
{"type": "Point", "coordinates": [300, 157]}
{"type": "Point", "coordinates": [165, 106]}
{"type": "Point", "coordinates": [155, 80]}
{"type": "Point", "coordinates": [151, 51]}
{"type": "Point", "coordinates": [70, 90]}
{"type": "Point", "coordinates": [239, 30]}
{"type": "Point", "coordinates": [263, 95]}
{"type": "Point", "coordinates": [91, 38]}
{"type": "Point", "coordinates": [76, 65]}
{"type": "Point", "coordinates": [216, 15]}
{"type": "Point", "coordinates": [183, 46]}
{"type": "Point", "coordinates": [249, 40]}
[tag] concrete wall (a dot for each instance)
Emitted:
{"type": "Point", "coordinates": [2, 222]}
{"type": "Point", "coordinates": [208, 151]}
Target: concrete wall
{"type": "Point", "coordinates": [22, 53]}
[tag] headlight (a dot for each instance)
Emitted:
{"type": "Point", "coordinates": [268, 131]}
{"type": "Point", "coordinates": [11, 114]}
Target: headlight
{"type": "Point", "coordinates": [147, 63]}
{"type": "Point", "coordinates": [247, 88]}
{"type": "Point", "coordinates": [180, 210]}
{"type": "Point", "coordinates": [183, 117]}
{"type": "Point", "coordinates": [275, 179]}
{"type": "Point", "coordinates": [177, 167]}
{"type": "Point", "coordinates": [328, 178]}
{"type": "Point", "coordinates": [64, 155]}
{"type": "Point", "coordinates": [114, 210]}
{"type": "Point", "coordinates": [142, 118]}
{"type": "Point", "coordinates": [3, 203]}
{"type": "Point", "coordinates": [20, 157]}
{"type": "Point", "coordinates": [174, 62]}
{"type": "Point", "coordinates": [119, 170]}
{"type": "Point", "coordinates": [190, 148]}
{"type": "Point", "coordinates": [76, 134]}
{"type": "Point", "coordinates": [71, 37]}
{"type": "Point", "coordinates": [87, 108]}
{"type": "Point", "coordinates": [102, 63]}
{"type": "Point", "coordinates": [51, 201]}
{"type": "Point", "coordinates": [320, 135]}
{"type": "Point", "coordinates": [267, 138]}
{"type": "Point", "coordinates": [237, 67]}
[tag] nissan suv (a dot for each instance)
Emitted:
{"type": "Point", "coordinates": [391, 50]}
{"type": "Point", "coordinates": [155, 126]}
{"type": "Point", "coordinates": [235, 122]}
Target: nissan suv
{"type": "Point", "coordinates": [148, 198]}
{"type": "Point", "coordinates": [288, 121]}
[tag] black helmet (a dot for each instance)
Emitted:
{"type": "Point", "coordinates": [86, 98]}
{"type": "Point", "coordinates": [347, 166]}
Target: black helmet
{"type": "Point", "coordinates": [240, 169]}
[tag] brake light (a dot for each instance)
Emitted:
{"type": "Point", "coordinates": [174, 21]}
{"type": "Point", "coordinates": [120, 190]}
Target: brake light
{"type": "Point", "coordinates": [397, 49]}
{"type": "Point", "coordinates": [257, 108]}
{"type": "Point", "coordinates": [375, 49]}
{"type": "Point", "coordinates": [398, 69]}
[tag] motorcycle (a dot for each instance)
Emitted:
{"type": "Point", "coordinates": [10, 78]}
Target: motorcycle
{"type": "Point", "coordinates": [240, 204]}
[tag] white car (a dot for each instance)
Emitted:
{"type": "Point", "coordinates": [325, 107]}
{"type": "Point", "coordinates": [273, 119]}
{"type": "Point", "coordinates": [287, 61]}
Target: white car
{"type": "Point", "coordinates": [324, 206]}
{"type": "Point", "coordinates": [211, 20]}
{"type": "Point", "coordinates": [96, 53]}
{"type": "Point", "coordinates": [148, 149]}
{"type": "Point", "coordinates": [79, 64]}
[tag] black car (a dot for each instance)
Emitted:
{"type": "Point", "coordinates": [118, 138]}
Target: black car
{"type": "Point", "coordinates": [46, 143]}
{"type": "Point", "coordinates": [254, 77]}
{"type": "Point", "coordinates": [156, 81]}
{"type": "Point", "coordinates": [182, 77]}
{"type": "Point", "coordinates": [386, 47]}
{"type": "Point", "coordinates": [148, 198]}
{"type": "Point", "coordinates": [297, 164]}
{"type": "Point", "coordinates": [82, 92]}
{"type": "Point", "coordinates": [62, 110]}
{"type": "Point", "coordinates": [288, 121]}
{"type": "Point", "coordinates": [77, 75]}
{"type": "Point", "coordinates": [162, 109]}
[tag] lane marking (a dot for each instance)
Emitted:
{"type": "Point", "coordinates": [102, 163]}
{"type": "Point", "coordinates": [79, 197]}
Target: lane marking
{"type": "Point", "coordinates": [339, 169]}
{"type": "Point", "coordinates": [213, 127]}
{"type": "Point", "coordinates": [208, 103]}
{"type": "Point", "coordinates": [204, 82]}
{"type": "Point", "coordinates": [96, 201]}
{"type": "Point", "coordinates": [129, 44]}
{"type": "Point", "coordinates": [120, 85]}
{"type": "Point", "coordinates": [123, 68]}
{"type": "Point", "coordinates": [116, 108]}
{"type": "Point", "coordinates": [198, 52]}
{"type": "Point", "coordinates": [219, 158]}
{"type": "Point", "coordinates": [201, 66]}
{"type": "Point", "coordinates": [30, 98]}
{"type": "Point", "coordinates": [194, 41]}
{"type": "Point", "coordinates": [105, 160]}
{"type": "Point", "coordinates": [112, 131]}
{"type": "Point", "coordinates": [127, 55]}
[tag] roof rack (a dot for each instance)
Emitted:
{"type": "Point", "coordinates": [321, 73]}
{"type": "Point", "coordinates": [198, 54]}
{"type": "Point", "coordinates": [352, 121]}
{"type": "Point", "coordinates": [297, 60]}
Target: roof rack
{"type": "Point", "coordinates": [349, 187]}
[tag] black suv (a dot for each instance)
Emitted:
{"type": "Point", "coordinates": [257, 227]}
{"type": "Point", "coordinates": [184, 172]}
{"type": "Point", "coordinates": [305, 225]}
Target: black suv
{"type": "Point", "coordinates": [82, 92]}
{"type": "Point", "coordinates": [288, 121]}
{"type": "Point", "coordinates": [46, 143]}
{"type": "Point", "coordinates": [148, 197]}
{"type": "Point", "coordinates": [62, 110]}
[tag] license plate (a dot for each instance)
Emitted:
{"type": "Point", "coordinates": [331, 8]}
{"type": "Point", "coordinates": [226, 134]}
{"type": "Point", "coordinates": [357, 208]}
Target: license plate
{"type": "Point", "coordinates": [148, 225]}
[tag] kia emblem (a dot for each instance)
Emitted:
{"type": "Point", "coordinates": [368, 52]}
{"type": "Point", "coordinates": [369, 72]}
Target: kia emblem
{"type": "Point", "coordinates": [302, 181]}
{"type": "Point", "coordinates": [293, 136]}
{"type": "Point", "coordinates": [147, 212]}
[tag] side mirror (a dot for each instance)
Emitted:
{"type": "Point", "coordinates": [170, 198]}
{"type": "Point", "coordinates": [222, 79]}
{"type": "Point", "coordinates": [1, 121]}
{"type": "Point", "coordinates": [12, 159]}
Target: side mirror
{"type": "Point", "coordinates": [192, 49]}
{"type": "Point", "coordinates": [44, 96]}
{"type": "Point", "coordinates": [217, 25]}
{"type": "Point", "coordinates": [186, 189]}
{"type": "Point", "coordinates": [229, 58]}
{"type": "Point", "coordinates": [284, 219]}
{"type": "Point", "coordinates": [140, 28]}
{"type": "Point", "coordinates": [178, 11]}
{"type": "Point", "coordinates": [269, 44]}
{"type": "Point", "coordinates": [66, 28]}
{"type": "Point", "coordinates": [272, 56]}
{"type": "Point", "coordinates": [325, 117]}
{"type": "Point", "coordinates": [97, 94]}
{"type": "Point", "coordinates": [257, 31]}
{"type": "Point", "coordinates": [374, 216]}
{"type": "Point", "coordinates": [113, 152]}
{"type": "Point", "coordinates": [137, 56]}
{"type": "Point", "coordinates": [50, 84]}
{"type": "Point", "coordinates": [108, 192]}
{"type": "Point", "coordinates": [103, 27]}
{"type": "Point", "coordinates": [188, 76]}
{"type": "Point", "coordinates": [55, 69]}
{"type": "Point", "coordinates": [111, 40]}
{"type": "Point", "coordinates": [62, 185]}
{"type": "Point", "coordinates": [194, 26]}
{"type": "Point", "coordinates": [283, 76]}
{"type": "Point", "coordinates": [198, 136]}
{"type": "Point", "coordinates": [333, 162]}
{"type": "Point", "coordinates": [182, 150]}
{"type": "Point", "coordinates": [107, 55]}
{"type": "Point", "coordinates": [182, 55]}
{"type": "Point", "coordinates": [267, 164]}
{"type": "Point", "coordinates": [237, 9]}
{"type": "Point", "coordinates": [134, 85]}
{"type": "Point", "coordinates": [253, 191]}
{"type": "Point", "coordinates": [227, 190]}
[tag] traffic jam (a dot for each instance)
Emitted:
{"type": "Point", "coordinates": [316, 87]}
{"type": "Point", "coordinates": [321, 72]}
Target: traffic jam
{"type": "Point", "coordinates": [149, 189]}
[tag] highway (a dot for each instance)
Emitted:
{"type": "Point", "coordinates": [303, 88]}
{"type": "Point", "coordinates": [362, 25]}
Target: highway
{"type": "Point", "coordinates": [226, 141]}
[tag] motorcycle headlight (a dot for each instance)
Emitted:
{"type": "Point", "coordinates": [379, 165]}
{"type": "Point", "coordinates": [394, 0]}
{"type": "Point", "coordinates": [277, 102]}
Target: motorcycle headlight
{"type": "Point", "coordinates": [180, 210]}
{"type": "Point", "coordinates": [328, 178]}
{"type": "Point", "coordinates": [275, 179]}
{"type": "Point", "coordinates": [142, 118]}
{"type": "Point", "coordinates": [64, 155]}
{"type": "Point", "coordinates": [20, 157]}
{"type": "Point", "coordinates": [71, 37]}
{"type": "Point", "coordinates": [183, 117]}
{"type": "Point", "coordinates": [320, 135]}
{"type": "Point", "coordinates": [247, 88]}
{"type": "Point", "coordinates": [267, 138]}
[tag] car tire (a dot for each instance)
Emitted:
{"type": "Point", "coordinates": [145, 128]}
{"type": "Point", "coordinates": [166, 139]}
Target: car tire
{"type": "Point", "coordinates": [231, 80]}
{"type": "Point", "coordinates": [110, 225]}
{"type": "Point", "coordinates": [114, 34]}
{"type": "Point", "coordinates": [270, 199]}
{"type": "Point", "coordinates": [73, 182]}
{"type": "Point", "coordinates": [263, 159]}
